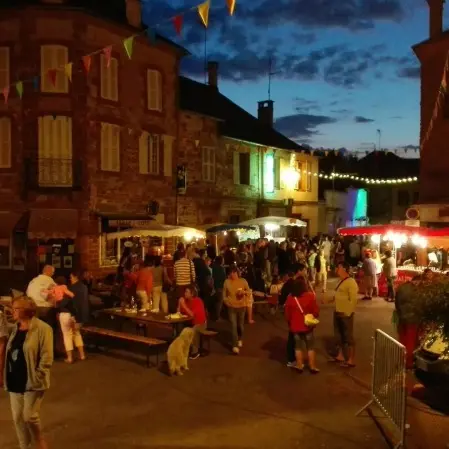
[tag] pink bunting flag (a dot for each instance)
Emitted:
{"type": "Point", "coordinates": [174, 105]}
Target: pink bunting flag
{"type": "Point", "coordinates": [52, 76]}
{"type": "Point", "coordinates": [6, 93]}
{"type": "Point", "coordinates": [107, 53]}
{"type": "Point", "coordinates": [177, 22]}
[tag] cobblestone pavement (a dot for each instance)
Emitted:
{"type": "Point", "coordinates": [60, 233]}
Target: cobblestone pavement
{"type": "Point", "coordinates": [224, 401]}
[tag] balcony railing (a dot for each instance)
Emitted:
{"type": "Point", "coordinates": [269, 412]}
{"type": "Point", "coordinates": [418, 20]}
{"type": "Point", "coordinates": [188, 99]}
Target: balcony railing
{"type": "Point", "coordinates": [49, 173]}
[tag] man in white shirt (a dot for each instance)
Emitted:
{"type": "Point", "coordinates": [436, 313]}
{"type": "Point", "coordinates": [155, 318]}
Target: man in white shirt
{"type": "Point", "coordinates": [354, 252]}
{"type": "Point", "coordinates": [390, 272]}
{"type": "Point", "coordinates": [37, 288]}
{"type": "Point", "coordinates": [326, 247]}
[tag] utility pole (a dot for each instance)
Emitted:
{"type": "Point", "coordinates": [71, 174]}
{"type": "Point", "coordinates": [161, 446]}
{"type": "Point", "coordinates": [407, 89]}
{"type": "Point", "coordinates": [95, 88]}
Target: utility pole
{"type": "Point", "coordinates": [379, 135]}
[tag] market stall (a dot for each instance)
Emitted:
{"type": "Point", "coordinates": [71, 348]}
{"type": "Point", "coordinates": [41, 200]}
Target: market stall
{"type": "Point", "coordinates": [232, 234]}
{"type": "Point", "coordinates": [274, 228]}
{"type": "Point", "coordinates": [409, 244]}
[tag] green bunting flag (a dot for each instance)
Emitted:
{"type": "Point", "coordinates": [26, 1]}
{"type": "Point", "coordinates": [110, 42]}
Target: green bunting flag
{"type": "Point", "coordinates": [128, 44]}
{"type": "Point", "coordinates": [19, 88]}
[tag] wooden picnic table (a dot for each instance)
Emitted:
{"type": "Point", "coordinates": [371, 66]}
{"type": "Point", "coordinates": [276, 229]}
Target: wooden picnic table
{"type": "Point", "coordinates": [148, 318]}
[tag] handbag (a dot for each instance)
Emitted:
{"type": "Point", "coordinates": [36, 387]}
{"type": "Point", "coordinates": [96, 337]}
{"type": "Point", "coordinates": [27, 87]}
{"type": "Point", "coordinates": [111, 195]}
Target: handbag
{"type": "Point", "coordinates": [309, 319]}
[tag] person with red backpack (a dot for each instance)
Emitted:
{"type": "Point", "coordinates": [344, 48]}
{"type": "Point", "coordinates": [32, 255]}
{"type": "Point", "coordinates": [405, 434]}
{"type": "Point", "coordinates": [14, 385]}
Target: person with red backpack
{"type": "Point", "coordinates": [301, 311]}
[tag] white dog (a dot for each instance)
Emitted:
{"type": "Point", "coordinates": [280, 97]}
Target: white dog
{"type": "Point", "coordinates": [178, 352]}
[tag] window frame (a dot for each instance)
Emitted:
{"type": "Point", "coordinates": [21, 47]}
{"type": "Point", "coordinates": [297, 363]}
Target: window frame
{"type": "Point", "coordinates": [107, 72]}
{"type": "Point", "coordinates": [9, 266]}
{"type": "Point", "coordinates": [62, 82]}
{"type": "Point", "coordinates": [50, 149]}
{"type": "Point", "coordinates": [208, 164]}
{"type": "Point", "coordinates": [104, 167]}
{"type": "Point", "coordinates": [242, 157]}
{"type": "Point", "coordinates": [8, 157]}
{"type": "Point", "coordinates": [158, 107]}
{"type": "Point", "coordinates": [7, 68]}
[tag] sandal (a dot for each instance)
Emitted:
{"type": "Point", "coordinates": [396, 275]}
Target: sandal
{"type": "Point", "coordinates": [300, 369]}
{"type": "Point", "coordinates": [314, 370]}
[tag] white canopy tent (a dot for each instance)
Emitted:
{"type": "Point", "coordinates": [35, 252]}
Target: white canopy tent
{"type": "Point", "coordinates": [276, 221]}
{"type": "Point", "coordinates": [159, 230]}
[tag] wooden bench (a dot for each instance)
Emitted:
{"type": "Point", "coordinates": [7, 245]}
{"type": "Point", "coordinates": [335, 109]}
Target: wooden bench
{"type": "Point", "coordinates": [205, 336]}
{"type": "Point", "coordinates": [147, 341]}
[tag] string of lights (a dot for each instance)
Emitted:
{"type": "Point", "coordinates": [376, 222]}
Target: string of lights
{"type": "Point", "coordinates": [367, 180]}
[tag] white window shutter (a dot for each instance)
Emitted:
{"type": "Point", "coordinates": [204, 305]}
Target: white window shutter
{"type": "Point", "coordinates": [236, 166]}
{"type": "Point", "coordinates": [5, 142]}
{"type": "Point", "coordinates": [61, 55]}
{"type": "Point", "coordinates": [104, 81]}
{"type": "Point", "coordinates": [282, 167]}
{"type": "Point", "coordinates": [143, 153]}
{"type": "Point", "coordinates": [104, 145]}
{"type": "Point", "coordinates": [168, 156]}
{"type": "Point", "coordinates": [115, 148]}
{"type": "Point", "coordinates": [46, 65]}
{"type": "Point", "coordinates": [114, 79]}
{"type": "Point", "coordinates": [4, 67]}
{"type": "Point", "coordinates": [254, 168]}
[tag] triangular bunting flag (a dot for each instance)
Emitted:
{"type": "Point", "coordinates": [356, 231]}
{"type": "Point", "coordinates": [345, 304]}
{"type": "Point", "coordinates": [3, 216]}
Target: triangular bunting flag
{"type": "Point", "coordinates": [197, 142]}
{"type": "Point", "coordinates": [203, 12]}
{"type": "Point", "coordinates": [128, 44]}
{"type": "Point", "coordinates": [36, 83]}
{"type": "Point", "coordinates": [87, 62]}
{"type": "Point", "coordinates": [6, 93]}
{"type": "Point", "coordinates": [68, 68]}
{"type": "Point", "coordinates": [52, 76]}
{"type": "Point", "coordinates": [177, 22]}
{"type": "Point", "coordinates": [107, 51]}
{"type": "Point", "coordinates": [19, 88]}
{"type": "Point", "coordinates": [151, 34]}
{"type": "Point", "coordinates": [231, 6]}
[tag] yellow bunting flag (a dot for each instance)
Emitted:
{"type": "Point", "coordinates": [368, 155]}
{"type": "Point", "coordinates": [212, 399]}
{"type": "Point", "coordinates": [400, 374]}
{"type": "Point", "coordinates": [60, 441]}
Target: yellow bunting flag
{"type": "Point", "coordinates": [87, 62]}
{"type": "Point", "coordinates": [203, 12]}
{"type": "Point", "coordinates": [231, 6]}
{"type": "Point", "coordinates": [68, 68]}
{"type": "Point", "coordinates": [6, 93]}
{"type": "Point", "coordinates": [128, 44]}
{"type": "Point", "coordinates": [19, 88]}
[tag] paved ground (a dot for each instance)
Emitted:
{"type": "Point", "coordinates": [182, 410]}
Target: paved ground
{"type": "Point", "coordinates": [224, 401]}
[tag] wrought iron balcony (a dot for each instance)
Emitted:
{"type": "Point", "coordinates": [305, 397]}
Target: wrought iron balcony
{"type": "Point", "coordinates": [53, 173]}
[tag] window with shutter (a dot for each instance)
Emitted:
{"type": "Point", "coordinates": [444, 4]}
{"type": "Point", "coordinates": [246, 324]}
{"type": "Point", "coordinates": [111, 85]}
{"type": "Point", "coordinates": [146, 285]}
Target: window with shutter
{"type": "Point", "coordinates": [244, 164]}
{"type": "Point", "coordinates": [55, 164]}
{"type": "Point", "coordinates": [167, 142]}
{"type": "Point", "coordinates": [283, 166]}
{"type": "Point", "coordinates": [308, 176]}
{"type": "Point", "coordinates": [208, 164]}
{"type": "Point", "coordinates": [109, 78]}
{"type": "Point", "coordinates": [154, 90]}
{"type": "Point", "coordinates": [4, 67]}
{"type": "Point", "coordinates": [236, 167]}
{"type": "Point", "coordinates": [110, 147]}
{"type": "Point", "coordinates": [54, 57]}
{"type": "Point", "coordinates": [277, 173]}
{"type": "Point", "coordinates": [5, 142]}
{"type": "Point", "coordinates": [149, 153]}
{"type": "Point", "coordinates": [254, 167]}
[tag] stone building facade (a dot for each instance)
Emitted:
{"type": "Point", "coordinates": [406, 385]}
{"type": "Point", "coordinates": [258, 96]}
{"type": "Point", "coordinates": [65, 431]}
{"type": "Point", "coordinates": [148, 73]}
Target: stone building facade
{"type": "Point", "coordinates": [94, 152]}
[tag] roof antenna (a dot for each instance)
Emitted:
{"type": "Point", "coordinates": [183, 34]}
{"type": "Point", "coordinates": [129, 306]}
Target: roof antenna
{"type": "Point", "coordinates": [270, 75]}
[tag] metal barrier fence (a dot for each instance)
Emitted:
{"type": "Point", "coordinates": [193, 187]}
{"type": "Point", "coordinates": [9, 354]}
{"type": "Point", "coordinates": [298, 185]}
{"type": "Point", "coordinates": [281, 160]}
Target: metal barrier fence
{"type": "Point", "coordinates": [388, 388]}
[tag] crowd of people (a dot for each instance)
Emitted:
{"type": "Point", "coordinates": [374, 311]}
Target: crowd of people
{"type": "Point", "coordinates": [203, 285]}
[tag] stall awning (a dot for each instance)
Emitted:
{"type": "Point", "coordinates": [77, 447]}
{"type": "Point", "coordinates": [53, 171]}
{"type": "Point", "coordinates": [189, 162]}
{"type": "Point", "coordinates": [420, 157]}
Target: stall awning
{"type": "Point", "coordinates": [53, 224]}
{"type": "Point", "coordinates": [158, 230]}
{"type": "Point", "coordinates": [8, 221]}
{"type": "Point", "coordinates": [279, 221]}
{"type": "Point", "coordinates": [409, 231]}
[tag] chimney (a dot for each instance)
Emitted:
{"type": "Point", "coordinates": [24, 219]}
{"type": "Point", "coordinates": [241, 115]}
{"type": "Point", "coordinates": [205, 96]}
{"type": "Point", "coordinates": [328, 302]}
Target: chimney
{"type": "Point", "coordinates": [212, 74]}
{"type": "Point", "coordinates": [134, 13]}
{"type": "Point", "coordinates": [435, 17]}
{"type": "Point", "coordinates": [265, 112]}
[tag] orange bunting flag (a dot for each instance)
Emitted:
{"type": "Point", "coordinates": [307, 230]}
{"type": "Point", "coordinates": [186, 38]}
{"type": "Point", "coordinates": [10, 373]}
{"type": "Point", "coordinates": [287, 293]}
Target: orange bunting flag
{"type": "Point", "coordinates": [68, 68]}
{"type": "Point", "coordinates": [52, 76]}
{"type": "Point", "coordinates": [177, 22]}
{"type": "Point", "coordinates": [107, 53]}
{"type": "Point", "coordinates": [6, 93]}
{"type": "Point", "coordinates": [203, 12]}
{"type": "Point", "coordinates": [231, 6]}
{"type": "Point", "coordinates": [87, 61]}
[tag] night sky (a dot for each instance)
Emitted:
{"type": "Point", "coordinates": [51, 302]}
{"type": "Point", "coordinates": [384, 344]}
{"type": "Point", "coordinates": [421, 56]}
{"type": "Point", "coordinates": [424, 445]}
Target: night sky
{"type": "Point", "coordinates": [344, 68]}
